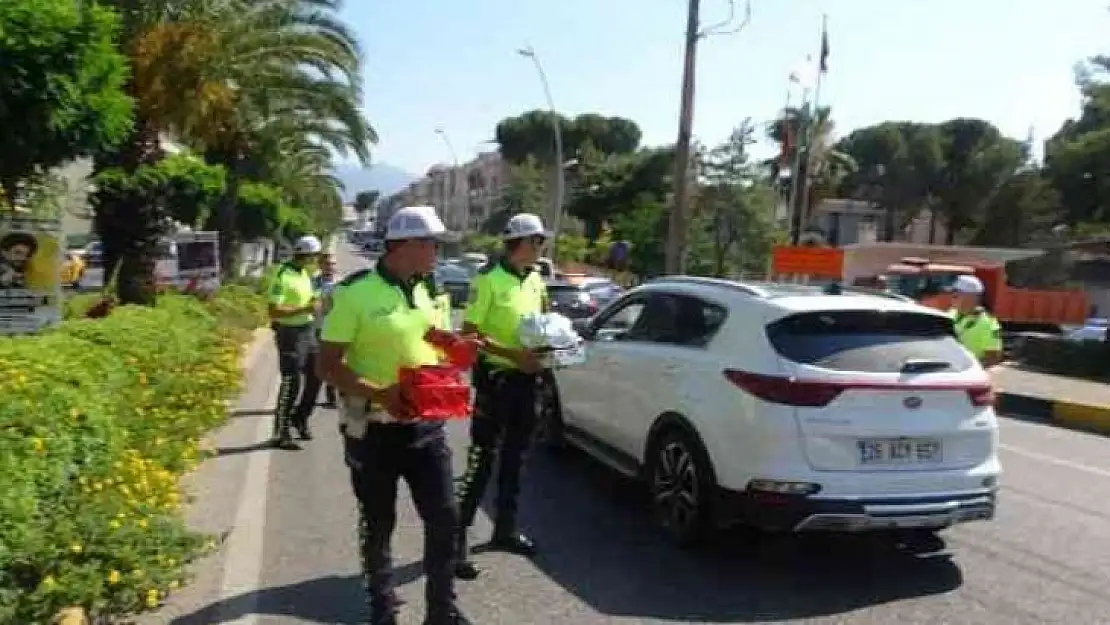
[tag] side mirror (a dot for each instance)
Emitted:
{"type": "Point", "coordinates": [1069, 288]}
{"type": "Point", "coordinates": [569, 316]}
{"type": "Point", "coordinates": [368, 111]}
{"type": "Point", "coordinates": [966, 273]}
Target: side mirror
{"type": "Point", "coordinates": [584, 328]}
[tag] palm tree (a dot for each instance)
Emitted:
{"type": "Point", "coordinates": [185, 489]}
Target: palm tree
{"type": "Point", "coordinates": [822, 166]}
{"type": "Point", "coordinates": [240, 81]}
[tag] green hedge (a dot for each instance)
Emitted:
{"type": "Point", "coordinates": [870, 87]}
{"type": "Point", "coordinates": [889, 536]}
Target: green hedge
{"type": "Point", "coordinates": [1055, 354]}
{"type": "Point", "coordinates": [98, 420]}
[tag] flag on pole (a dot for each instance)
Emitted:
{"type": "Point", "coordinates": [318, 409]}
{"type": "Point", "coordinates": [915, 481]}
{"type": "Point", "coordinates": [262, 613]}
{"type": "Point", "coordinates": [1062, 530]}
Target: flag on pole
{"type": "Point", "coordinates": [823, 66]}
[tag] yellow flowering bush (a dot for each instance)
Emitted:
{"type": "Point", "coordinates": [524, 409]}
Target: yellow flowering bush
{"type": "Point", "coordinates": [98, 420]}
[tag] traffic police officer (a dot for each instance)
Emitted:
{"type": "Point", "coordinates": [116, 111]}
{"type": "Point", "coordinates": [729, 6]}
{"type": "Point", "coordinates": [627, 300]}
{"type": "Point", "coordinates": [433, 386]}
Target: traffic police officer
{"type": "Point", "coordinates": [292, 303]}
{"type": "Point", "coordinates": [978, 330]}
{"type": "Point", "coordinates": [376, 326]}
{"type": "Point", "coordinates": [505, 381]}
{"type": "Point", "coordinates": [325, 283]}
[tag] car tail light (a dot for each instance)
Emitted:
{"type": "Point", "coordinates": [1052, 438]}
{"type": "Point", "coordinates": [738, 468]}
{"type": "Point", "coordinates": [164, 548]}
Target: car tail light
{"type": "Point", "coordinates": [981, 395]}
{"type": "Point", "coordinates": [786, 391]}
{"type": "Point", "coordinates": [816, 394]}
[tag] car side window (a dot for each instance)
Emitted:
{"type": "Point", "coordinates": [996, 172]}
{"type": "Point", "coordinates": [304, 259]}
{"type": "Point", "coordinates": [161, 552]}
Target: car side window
{"type": "Point", "coordinates": [677, 320]}
{"type": "Point", "coordinates": [623, 319]}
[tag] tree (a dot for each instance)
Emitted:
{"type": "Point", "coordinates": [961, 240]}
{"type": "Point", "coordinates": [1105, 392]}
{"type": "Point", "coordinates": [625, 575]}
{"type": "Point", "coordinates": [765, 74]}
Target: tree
{"type": "Point", "coordinates": [365, 200]}
{"type": "Point", "coordinates": [531, 134]}
{"type": "Point", "coordinates": [1025, 208]}
{"type": "Point", "coordinates": [806, 138]}
{"type": "Point", "coordinates": [524, 193]}
{"type": "Point", "coordinates": [193, 187]}
{"type": "Point", "coordinates": [977, 162]}
{"type": "Point", "coordinates": [735, 206]}
{"type": "Point", "coordinates": [607, 188]}
{"type": "Point", "coordinates": [897, 167]}
{"type": "Point", "coordinates": [61, 85]}
{"type": "Point", "coordinates": [1076, 156]}
{"type": "Point", "coordinates": [250, 84]}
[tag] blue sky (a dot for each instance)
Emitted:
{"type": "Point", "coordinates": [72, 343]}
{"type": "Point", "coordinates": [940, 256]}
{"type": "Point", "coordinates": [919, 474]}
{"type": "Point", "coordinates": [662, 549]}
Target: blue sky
{"type": "Point", "coordinates": [452, 63]}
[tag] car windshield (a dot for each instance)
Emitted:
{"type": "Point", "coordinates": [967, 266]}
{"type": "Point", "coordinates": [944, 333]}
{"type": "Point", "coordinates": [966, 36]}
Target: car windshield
{"type": "Point", "coordinates": [452, 273]}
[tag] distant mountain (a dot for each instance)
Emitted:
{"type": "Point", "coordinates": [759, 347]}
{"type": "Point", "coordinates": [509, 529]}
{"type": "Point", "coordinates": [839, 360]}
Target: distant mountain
{"type": "Point", "coordinates": [381, 177]}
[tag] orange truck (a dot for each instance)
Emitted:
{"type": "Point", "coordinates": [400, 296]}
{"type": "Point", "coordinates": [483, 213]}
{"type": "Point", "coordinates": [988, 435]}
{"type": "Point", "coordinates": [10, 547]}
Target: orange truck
{"type": "Point", "coordinates": [929, 282]}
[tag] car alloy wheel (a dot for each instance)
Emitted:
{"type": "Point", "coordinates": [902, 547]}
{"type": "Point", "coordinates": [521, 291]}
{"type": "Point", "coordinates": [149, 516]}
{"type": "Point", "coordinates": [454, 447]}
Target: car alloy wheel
{"type": "Point", "coordinates": [676, 489]}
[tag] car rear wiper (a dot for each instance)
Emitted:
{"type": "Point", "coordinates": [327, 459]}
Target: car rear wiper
{"type": "Point", "coordinates": [924, 365]}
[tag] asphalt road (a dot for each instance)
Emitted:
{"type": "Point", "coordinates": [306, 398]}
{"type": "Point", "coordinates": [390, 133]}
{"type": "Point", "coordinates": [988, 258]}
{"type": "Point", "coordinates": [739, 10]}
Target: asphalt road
{"type": "Point", "coordinates": [1045, 559]}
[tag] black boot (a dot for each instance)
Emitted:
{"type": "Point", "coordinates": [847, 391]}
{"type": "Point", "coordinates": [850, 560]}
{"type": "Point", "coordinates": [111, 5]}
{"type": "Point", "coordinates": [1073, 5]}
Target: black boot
{"type": "Point", "coordinates": [303, 431]}
{"type": "Point", "coordinates": [508, 538]}
{"type": "Point", "coordinates": [464, 566]}
{"type": "Point", "coordinates": [454, 617]}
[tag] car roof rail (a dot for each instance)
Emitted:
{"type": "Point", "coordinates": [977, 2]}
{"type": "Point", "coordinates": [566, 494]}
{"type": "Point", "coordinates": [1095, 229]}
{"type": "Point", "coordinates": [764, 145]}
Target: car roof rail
{"type": "Point", "coordinates": [716, 282]}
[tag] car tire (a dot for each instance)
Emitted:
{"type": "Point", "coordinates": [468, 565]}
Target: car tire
{"type": "Point", "coordinates": [681, 484]}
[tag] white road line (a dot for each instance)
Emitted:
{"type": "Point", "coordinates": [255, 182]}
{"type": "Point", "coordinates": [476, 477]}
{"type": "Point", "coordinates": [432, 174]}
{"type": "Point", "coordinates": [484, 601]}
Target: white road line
{"type": "Point", "coordinates": [245, 548]}
{"type": "Point", "coordinates": [1056, 461]}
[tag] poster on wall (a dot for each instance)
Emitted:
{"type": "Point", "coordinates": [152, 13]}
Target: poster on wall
{"type": "Point", "coordinates": [30, 274]}
{"type": "Point", "coordinates": [198, 258]}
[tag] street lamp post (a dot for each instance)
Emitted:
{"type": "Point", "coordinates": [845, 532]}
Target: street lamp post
{"type": "Point", "coordinates": [450, 182]}
{"type": "Point", "coordinates": [560, 177]}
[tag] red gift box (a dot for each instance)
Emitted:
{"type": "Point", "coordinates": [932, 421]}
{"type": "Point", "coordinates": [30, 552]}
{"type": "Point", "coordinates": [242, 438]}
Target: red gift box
{"type": "Point", "coordinates": [460, 353]}
{"type": "Point", "coordinates": [436, 392]}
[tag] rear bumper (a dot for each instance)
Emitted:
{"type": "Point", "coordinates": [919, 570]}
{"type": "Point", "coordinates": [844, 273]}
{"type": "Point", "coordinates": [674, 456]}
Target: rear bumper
{"type": "Point", "coordinates": [796, 513]}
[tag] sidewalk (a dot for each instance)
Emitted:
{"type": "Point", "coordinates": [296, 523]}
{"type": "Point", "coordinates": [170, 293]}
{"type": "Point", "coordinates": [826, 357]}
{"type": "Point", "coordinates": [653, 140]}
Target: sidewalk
{"type": "Point", "coordinates": [1070, 402]}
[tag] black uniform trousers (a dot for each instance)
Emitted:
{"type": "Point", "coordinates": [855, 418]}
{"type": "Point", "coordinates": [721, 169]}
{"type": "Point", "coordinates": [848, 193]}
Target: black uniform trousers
{"type": "Point", "coordinates": [300, 385]}
{"type": "Point", "coordinates": [419, 454]}
{"type": "Point", "coordinates": [501, 429]}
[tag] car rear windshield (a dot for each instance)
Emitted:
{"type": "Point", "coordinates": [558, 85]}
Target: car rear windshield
{"type": "Point", "coordinates": [870, 341]}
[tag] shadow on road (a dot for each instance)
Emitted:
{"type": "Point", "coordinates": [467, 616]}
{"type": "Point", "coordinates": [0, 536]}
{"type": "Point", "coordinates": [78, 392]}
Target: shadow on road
{"type": "Point", "coordinates": [244, 449]}
{"type": "Point", "coordinates": [251, 412]}
{"type": "Point", "coordinates": [597, 542]}
{"type": "Point", "coordinates": [334, 600]}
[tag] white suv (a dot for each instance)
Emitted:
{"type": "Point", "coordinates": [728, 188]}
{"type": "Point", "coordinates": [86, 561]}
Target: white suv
{"type": "Point", "coordinates": [785, 407]}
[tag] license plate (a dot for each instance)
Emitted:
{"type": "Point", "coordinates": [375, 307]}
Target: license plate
{"type": "Point", "coordinates": [898, 451]}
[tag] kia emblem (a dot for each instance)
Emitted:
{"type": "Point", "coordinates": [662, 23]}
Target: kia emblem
{"type": "Point", "coordinates": [913, 403]}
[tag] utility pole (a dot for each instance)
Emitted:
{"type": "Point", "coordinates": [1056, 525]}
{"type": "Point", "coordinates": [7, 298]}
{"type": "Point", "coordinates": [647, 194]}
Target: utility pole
{"type": "Point", "coordinates": [676, 225]}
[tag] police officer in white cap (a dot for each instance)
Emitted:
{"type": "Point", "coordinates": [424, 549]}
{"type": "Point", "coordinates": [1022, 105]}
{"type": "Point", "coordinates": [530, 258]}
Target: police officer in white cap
{"type": "Point", "coordinates": [506, 382]}
{"type": "Point", "coordinates": [376, 326]}
{"type": "Point", "coordinates": [292, 306]}
{"type": "Point", "coordinates": [978, 330]}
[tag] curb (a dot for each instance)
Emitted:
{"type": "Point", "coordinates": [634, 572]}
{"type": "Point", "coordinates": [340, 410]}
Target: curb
{"type": "Point", "coordinates": [1066, 414]}
{"type": "Point", "coordinates": [254, 348]}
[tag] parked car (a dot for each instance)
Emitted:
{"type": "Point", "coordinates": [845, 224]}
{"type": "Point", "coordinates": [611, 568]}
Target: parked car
{"type": "Point", "coordinates": [784, 408]}
{"type": "Point", "coordinates": [1093, 330]}
{"type": "Point", "coordinates": [455, 279]}
{"type": "Point", "coordinates": [73, 269]}
{"type": "Point", "coordinates": [581, 297]}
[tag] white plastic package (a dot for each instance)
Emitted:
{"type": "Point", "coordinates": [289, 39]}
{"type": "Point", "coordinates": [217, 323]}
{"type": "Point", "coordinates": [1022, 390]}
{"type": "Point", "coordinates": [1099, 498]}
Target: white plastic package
{"type": "Point", "coordinates": [553, 334]}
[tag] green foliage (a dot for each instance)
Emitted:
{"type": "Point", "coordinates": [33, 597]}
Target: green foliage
{"type": "Point", "coordinates": [531, 135]}
{"type": "Point", "coordinates": [643, 224]}
{"type": "Point", "coordinates": [41, 194]}
{"type": "Point", "coordinates": [61, 84]}
{"type": "Point", "coordinates": [260, 210]}
{"type": "Point", "coordinates": [573, 247]}
{"type": "Point", "coordinates": [526, 191]}
{"type": "Point", "coordinates": [98, 420]}
{"type": "Point", "coordinates": [610, 188]}
{"type": "Point", "coordinates": [735, 209]}
{"type": "Point", "coordinates": [1055, 354]}
{"type": "Point", "coordinates": [192, 187]}
{"type": "Point", "coordinates": [479, 243]}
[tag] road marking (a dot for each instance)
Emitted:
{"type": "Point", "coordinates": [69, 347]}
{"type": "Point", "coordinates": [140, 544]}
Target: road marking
{"type": "Point", "coordinates": [245, 547]}
{"type": "Point", "coordinates": [1056, 461]}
